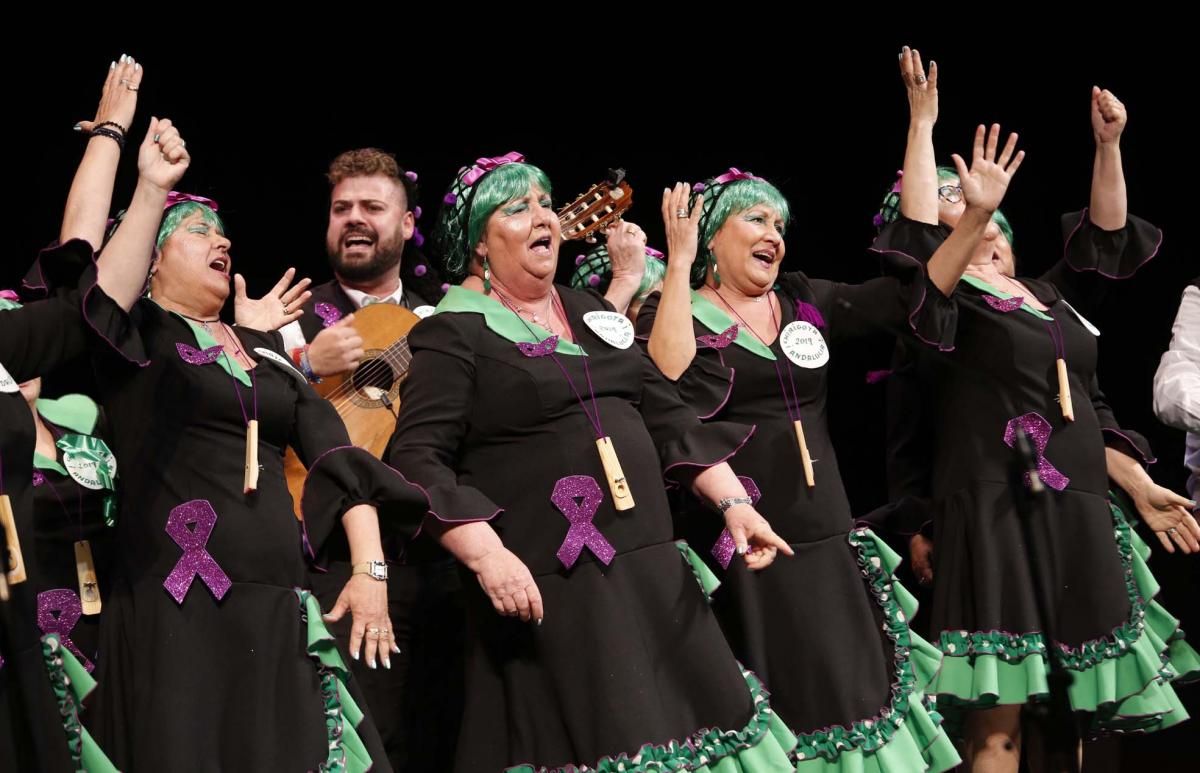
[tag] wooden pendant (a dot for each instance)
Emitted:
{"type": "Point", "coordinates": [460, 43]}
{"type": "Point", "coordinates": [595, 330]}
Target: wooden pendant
{"type": "Point", "coordinates": [622, 497]}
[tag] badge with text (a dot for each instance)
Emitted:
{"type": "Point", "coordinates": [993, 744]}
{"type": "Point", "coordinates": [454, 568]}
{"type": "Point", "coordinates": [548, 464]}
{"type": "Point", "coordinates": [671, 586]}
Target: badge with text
{"type": "Point", "coordinates": [804, 345]}
{"type": "Point", "coordinates": [613, 328]}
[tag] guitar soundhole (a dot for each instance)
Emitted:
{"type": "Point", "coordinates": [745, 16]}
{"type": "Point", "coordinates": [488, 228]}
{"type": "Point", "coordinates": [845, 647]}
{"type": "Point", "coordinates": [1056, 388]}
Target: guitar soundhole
{"type": "Point", "coordinates": [375, 381]}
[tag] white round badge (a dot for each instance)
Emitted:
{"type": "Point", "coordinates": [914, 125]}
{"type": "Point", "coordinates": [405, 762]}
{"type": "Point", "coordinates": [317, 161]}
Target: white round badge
{"type": "Point", "coordinates": [279, 360]}
{"type": "Point", "coordinates": [804, 345]}
{"type": "Point", "coordinates": [86, 471]}
{"type": "Point", "coordinates": [613, 328]}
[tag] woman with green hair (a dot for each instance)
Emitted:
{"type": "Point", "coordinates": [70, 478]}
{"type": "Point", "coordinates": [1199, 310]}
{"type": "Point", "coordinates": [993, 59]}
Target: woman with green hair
{"type": "Point", "coordinates": [212, 654]}
{"type": "Point", "coordinates": [1025, 363]}
{"type": "Point", "coordinates": [542, 436]}
{"type": "Point", "coordinates": [828, 632]}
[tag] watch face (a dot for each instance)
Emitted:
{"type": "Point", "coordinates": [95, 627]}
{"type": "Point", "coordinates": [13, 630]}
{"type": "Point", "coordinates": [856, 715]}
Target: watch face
{"type": "Point", "coordinates": [379, 570]}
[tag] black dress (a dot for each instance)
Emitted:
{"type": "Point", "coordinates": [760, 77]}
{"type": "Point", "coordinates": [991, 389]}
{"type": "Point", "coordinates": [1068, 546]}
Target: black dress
{"type": "Point", "coordinates": [499, 423]}
{"type": "Point", "coordinates": [42, 683]}
{"type": "Point", "coordinates": [1123, 648]}
{"type": "Point", "coordinates": [828, 631]}
{"type": "Point", "coordinates": [212, 656]}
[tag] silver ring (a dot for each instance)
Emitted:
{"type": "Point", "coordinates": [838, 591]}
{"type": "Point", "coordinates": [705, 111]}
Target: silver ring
{"type": "Point", "coordinates": [920, 79]}
{"type": "Point", "coordinates": [124, 81]}
{"type": "Point", "coordinates": [156, 136]}
{"type": "Point", "coordinates": [131, 88]}
{"type": "Point", "coordinates": [1172, 531]}
{"type": "Point", "coordinates": [681, 213]}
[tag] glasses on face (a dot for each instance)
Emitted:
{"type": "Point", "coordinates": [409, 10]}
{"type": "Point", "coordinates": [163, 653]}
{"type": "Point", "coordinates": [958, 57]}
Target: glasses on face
{"type": "Point", "coordinates": [951, 194]}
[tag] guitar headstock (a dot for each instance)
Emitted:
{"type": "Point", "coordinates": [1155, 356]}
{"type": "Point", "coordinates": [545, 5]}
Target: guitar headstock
{"type": "Point", "coordinates": [596, 209]}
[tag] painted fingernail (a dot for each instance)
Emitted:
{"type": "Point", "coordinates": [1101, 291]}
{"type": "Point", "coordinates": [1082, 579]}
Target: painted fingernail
{"type": "Point", "coordinates": [354, 654]}
{"type": "Point", "coordinates": [387, 663]}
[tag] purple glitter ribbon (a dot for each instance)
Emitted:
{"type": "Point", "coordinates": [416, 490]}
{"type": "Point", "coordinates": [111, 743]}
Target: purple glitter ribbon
{"type": "Point", "coordinates": [193, 356]}
{"type": "Point", "coordinates": [57, 612]}
{"type": "Point", "coordinates": [329, 314]}
{"type": "Point", "coordinates": [721, 340]}
{"type": "Point", "coordinates": [583, 533]}
{"type": "Point", "coordinates": [38, 478]}
{"type": "Point", "coordinates": [1038, 430]}
{"type": "Point", "coordinates": [540, 349]}
{"type": "Point", "coordinates": [725, 547]}
{"type": "Point", "coordinates": [195, 559]}
{"type": "Point", "coordinates": [1004, 305]}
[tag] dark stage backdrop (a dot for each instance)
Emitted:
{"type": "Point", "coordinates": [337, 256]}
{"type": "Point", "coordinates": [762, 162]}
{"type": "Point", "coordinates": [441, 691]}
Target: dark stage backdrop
{"type": "Point", "coordinates": [821, 113]}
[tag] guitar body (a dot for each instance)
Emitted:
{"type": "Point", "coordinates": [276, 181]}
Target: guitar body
{"type": "Point", "coordinates": [367, 398]}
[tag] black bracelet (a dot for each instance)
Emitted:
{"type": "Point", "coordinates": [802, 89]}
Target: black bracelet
{"type": "Point", "coordinates": [116, 137]}
{"type": "Point", "coordinates": [113, 124]}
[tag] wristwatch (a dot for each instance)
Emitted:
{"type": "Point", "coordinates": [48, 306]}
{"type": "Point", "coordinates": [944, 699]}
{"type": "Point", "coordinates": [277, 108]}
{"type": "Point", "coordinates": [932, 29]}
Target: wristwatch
{"type": "Point", "coordinates": [377, 569]}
